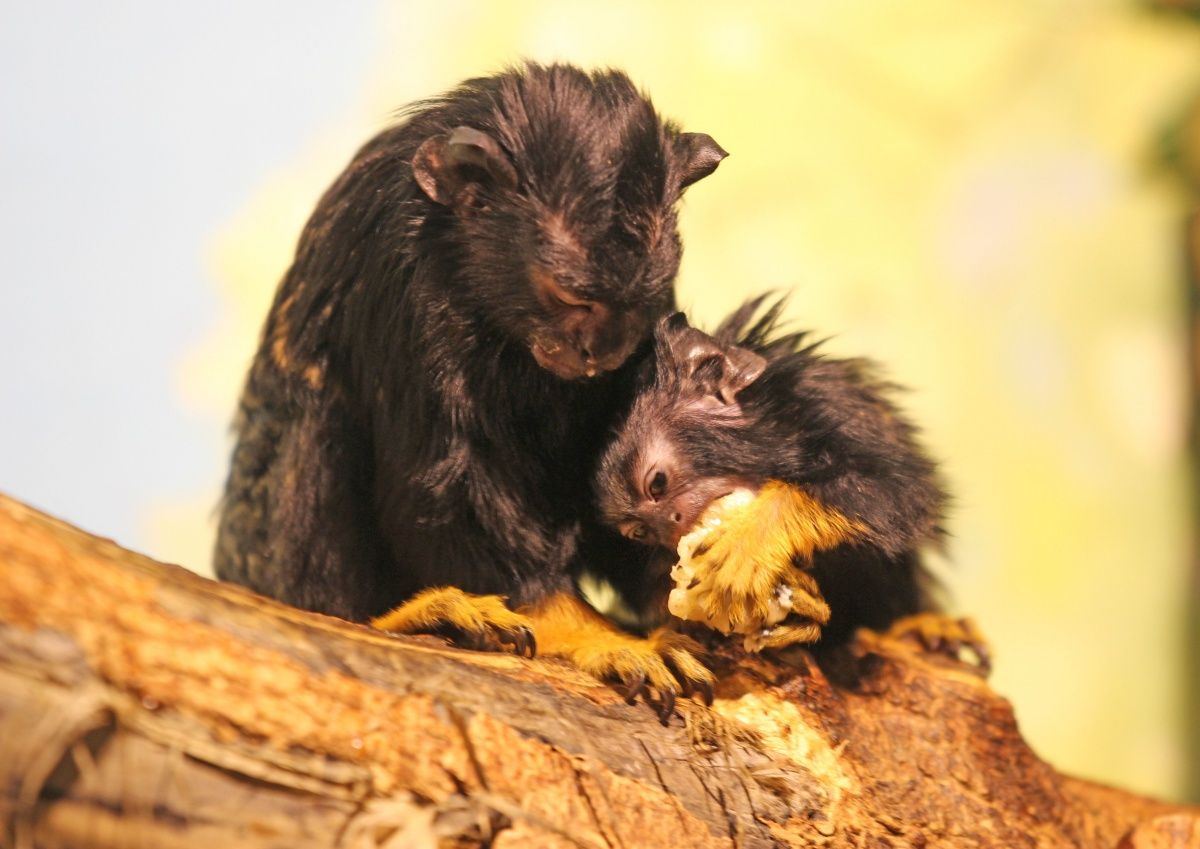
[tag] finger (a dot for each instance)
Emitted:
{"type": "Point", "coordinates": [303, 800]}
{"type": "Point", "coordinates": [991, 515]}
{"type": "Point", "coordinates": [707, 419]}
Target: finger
{"type": "Point", "coordinates": [667, 706]}
{"type": "Point", "coordinates": [523, 636]}
{"type": "Point", "coordinates": [791, 633]}
{"type": "Point", "coordinates": [690, 673]}
{"type": "Point", "coordinates": [685, 683]}
{"type": "Point", "coordinates": [635, 686]}
{"type": "Point", "coordinates": [806, 583]}
{"type": "Point", "coordinates": [523, 639]}
{"type": "Point", "coordinates": [511, 637]}
{"type": "Point", "coordinates": [810, 607]}
{"type": "Point", "coordinates": [475, 640]}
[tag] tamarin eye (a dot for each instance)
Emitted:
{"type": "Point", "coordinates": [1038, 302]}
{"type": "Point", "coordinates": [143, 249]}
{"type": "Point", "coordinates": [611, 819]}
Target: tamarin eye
{"type": "Point", "coordinates": [658, 485]}
{"type": "Point", "coordinates": [553, 292]}
{"type": "Point", "coordinates": [575, 303]}
{"type": "Point", "coordinates": [635, 531]}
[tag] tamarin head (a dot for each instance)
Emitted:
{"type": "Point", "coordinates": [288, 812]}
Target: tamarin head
{"type": "Point", "coordinates": [687, 439]}
{"type": "Point", "coordinates": [556, 189]}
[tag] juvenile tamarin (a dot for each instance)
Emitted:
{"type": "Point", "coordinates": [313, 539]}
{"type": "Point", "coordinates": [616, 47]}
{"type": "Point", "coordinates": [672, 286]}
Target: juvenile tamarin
{"type": "Point", "coordinates": [844, 497]}
{"type": "Point", "coordinates": [433, 383]}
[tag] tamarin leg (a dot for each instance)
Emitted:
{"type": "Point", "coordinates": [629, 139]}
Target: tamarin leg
{"type": "Point", "coordinates": [481, 621]}
{"type": "Point", "coordinates": [743, 561]}
{"type": "Point", "coordinates": [665, 661]}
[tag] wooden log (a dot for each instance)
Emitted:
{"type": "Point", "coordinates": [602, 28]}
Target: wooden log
{"type": "Point", "coordinates": [142, 705]}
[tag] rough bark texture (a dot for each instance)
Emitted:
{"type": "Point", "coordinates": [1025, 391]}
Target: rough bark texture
{"type": "Point", "coordinates": [142, 705]}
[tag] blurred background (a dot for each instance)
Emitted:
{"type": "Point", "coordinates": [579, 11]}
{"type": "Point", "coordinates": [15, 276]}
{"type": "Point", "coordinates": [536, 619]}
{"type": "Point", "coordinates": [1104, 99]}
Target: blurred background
{"type": "Point", "coordinates": [990, 198]}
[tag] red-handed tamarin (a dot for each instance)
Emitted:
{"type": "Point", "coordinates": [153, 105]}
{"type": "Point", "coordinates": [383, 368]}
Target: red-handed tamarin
{"type": "Point", "coordinates": [435, 378]}
{"type": "Point", "coordinates": [844, 497]}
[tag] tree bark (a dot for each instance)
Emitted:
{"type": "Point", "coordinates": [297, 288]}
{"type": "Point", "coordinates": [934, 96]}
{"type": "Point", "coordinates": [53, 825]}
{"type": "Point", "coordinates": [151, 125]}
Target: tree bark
{"type": "Point", "coordinates": [143, 705]}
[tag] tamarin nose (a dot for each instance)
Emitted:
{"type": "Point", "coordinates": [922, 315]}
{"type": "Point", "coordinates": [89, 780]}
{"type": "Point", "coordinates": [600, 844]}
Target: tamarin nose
{"type": "Point", "coordinates": [677, 518]}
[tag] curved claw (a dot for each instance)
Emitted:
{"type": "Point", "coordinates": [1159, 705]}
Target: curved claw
{"type": "Point", "coordinates": [635, 686]}
{"type": "Point", "coordinates": [667, 696]}
{"type": "Point", "coordinates": [690, 685]}
{"type": "Point", "coordinates": [522, 639]}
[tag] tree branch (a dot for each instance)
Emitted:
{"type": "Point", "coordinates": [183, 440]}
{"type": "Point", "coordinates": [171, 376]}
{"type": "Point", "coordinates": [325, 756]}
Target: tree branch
{"type": "Point", "coordinates": [142, 705]}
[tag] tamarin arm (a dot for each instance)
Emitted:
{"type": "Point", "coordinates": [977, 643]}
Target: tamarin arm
{"type": "Point", "coordinates": [781, 523]}
{"type": "Point", "coordinates": [864, 460]}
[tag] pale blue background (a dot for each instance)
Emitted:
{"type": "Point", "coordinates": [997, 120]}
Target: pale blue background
{"type": "Point", "coordinates": [129, 132]}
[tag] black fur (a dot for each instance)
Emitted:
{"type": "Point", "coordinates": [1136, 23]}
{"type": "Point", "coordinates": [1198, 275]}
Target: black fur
{"type": "Point", "coordinates": [419, 412]}
{"type": "Point", "coordinates": [748, 405]}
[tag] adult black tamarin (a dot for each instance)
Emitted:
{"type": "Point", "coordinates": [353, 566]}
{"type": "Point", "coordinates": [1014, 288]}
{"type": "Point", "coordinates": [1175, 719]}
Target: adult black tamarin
{"type": "Point", "coordinates": [844, 498]}
{"type": "Point", "coordinates": [435, 376]}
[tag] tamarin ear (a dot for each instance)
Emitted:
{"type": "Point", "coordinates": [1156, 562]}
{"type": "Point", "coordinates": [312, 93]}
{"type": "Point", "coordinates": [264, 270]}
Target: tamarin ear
{"type": "Point", "coordinates": [710, 369]}
{"type": "Point", "coordinates": [445, 165]}
{"type": "Point", "coordinates": [700, 155]}
{"type": "Point", "coordinates": [671, 324]}
{"type": "Point", "coordinates": [743, 367]}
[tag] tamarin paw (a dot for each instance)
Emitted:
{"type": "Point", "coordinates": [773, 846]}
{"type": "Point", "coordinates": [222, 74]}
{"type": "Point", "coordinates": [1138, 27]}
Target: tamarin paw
{"type": "Point", "coordinates": [745, 567]}
{"type": "Point", "coordinates": [659, 668]}
{"type": "Point", "coordinates": [737, 585]}
{"type": "Point", "coordinates": [945, 635]}
{"type": "Point", "coordinates": [480, 622]}
{"type": "Point", "coordinates": [679, 652]}
{"type": "Point", "coordinates": [735, 597]}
